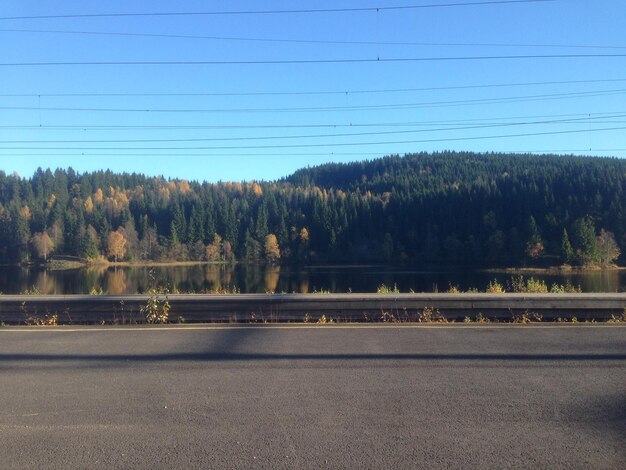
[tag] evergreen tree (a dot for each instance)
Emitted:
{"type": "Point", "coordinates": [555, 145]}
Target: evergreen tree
{"type": "Point", "coordinates": [585, 242]}
{"type": "Point", "coordinates": [534, 247]}
{"type": "Point", "coordinates": [567, 252]}
{"type": "Point", "coordinates": [447, 207]}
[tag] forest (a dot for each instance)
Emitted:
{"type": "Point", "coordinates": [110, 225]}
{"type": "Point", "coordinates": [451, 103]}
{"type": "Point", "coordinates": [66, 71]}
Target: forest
{"type": "Point", "coordinates": [445, 208]}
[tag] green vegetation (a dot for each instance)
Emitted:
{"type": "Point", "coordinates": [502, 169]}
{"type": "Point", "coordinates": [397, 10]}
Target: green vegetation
{"type": "Point", "coordinates": [385, 290]}
{"type": "Point", "coordinates": [324, 320]}
{"type": "Point", "coordinates": [618, 318]}
{"type": "Point", "coordinates": [32, 291]}
{"type": "Point", "coordinates": [321, 291]}
{"type": "Point", "coordinates": [495, 287]}
{"type": "Point", "coordinates": [538, 286]}
{"type": "Point", "coordinates": [42, 320]}
{"type": "Point", "coordinates": [157, 308]}
{"type": "Point", "coordinates": [453, 208]}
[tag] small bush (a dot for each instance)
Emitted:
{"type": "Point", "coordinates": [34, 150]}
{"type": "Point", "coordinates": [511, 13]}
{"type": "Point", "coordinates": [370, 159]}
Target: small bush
{"type": "Point", "coordinates": [46, 320]}
{"type": "Point", "coordinates": [325, 320]}
{"type": "Point", "coordinates": [528, 286]}
{"type": "Point", "coordinates": [157, 309]}
{"type": "Point", "coordinates": [32, 291]}
{"type": "Point", "coordinates": [495, 287]}
{"type": "Point", "coordinates": [430, 315]}
{"type": "Point", "coordinates": [526, 317]}
{"type": "Point", "coordinates": [566, 288]}
{"type": "Point", "coordinates": [387, 317]}
{"type": "Point", "coordinates": [385, 290]}
{"type": "Point", "coordinates": [618, 318]}
{"type": "Point", "coordinates": [536, 286]}
{"type": "Point", "coordinates": [480, 318]}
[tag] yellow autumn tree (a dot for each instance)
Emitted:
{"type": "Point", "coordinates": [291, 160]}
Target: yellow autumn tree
{"type": "Point", "coordinates": [42, 243]}
{"type": "Point", "coordinates": [256, 189]}
{"type": "Point", "coordinates": [89, 205]}
{"type": "Point", "coordinates": [214, 250]}
{"type": "Point", "coordinates": [116, 245]}
{"type": "Point", "coordinates": [98, 196]}
{"type": "Point", "coordinates": [25, 212]}
{"type": "Point", "coordinates": [272, 250]}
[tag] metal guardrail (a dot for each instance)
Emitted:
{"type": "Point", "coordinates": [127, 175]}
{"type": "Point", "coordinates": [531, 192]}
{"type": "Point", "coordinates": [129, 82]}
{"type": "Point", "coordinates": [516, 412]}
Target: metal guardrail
{"type": "Point", "coordinates": [125, 309]}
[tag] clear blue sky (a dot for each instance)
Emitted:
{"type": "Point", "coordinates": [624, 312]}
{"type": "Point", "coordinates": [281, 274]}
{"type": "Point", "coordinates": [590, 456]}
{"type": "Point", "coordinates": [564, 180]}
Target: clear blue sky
{"type": "Point", "coordinates": [264, 120]}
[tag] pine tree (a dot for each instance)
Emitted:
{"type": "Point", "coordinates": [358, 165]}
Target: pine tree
{"type": "Point", "coordinates": [534, 246]}
{"type": "Point", "coordinates": [567, 252]}
{"type": "Point", "coordinates": [585, 241]}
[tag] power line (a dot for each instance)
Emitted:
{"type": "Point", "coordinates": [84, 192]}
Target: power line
{"type": "Point", "coordinates": [316, 61]}
{"type": "Point", "coordinates": [510, 99]}
{"type": "Point", "coordinates": [314, 136]}
{"type": "Point", "coordinates": [299, 154]}
{"type": "Point", "coordinates": [314, 41]}
{"type": "Point", "coordinates": [274, 12]}
{"type": "Point", "coordinates": [169, 154]}
{"type": "Point", "coordinates": [81, 128]}
{"type": "Point", "coordinates": [342, 144]}
{"type": "Point", "coordinates": [328, 92]}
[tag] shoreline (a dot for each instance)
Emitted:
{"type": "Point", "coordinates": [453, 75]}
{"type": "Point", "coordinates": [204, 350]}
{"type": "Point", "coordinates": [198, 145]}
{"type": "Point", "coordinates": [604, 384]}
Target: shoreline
{"type": "Point", "coordinates": [556, 270]}
{"type": "Point", "coordinates": [560, 270]}
{"type": "Point", "coordinates": [57, 266]}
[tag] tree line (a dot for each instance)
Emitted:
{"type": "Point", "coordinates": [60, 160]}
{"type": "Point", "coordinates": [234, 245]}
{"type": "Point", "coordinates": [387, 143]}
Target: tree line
{"type": "Point", "coordinates": [454, 208]}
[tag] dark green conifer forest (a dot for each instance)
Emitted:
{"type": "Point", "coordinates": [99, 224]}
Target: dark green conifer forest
{"type": "Point", "coordinates": [452, 208]}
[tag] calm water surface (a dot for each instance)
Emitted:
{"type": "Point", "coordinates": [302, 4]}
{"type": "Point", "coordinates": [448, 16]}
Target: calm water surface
{"type": "Point", "coordinates": [260, 279]}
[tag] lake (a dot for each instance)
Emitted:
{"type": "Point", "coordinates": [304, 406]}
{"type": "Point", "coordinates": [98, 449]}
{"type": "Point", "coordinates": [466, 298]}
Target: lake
{"type": "Point", "coordinates": [261, 279]}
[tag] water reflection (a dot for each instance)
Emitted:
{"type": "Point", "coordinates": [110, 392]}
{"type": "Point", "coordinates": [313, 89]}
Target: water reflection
{"type": "Point", "coordinates": [272, 274]}
{"type": "Point", "coordinates": [259, 279]}
{"type": "Point", "coordinates": [115, 281]}
{"type": "Point", "coordinates": [45, 283]}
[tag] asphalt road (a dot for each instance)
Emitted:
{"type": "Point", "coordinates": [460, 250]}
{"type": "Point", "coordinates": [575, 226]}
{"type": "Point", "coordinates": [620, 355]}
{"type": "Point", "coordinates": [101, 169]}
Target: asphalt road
{"type": "Point", "coordinates": [313, 397]}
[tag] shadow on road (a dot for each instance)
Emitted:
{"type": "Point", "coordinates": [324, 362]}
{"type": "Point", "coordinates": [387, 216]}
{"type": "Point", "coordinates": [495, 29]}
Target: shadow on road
{"type": "Point", "coordinates": [252, 345]}
{"type": "Point", "coordinates": [234, 356]}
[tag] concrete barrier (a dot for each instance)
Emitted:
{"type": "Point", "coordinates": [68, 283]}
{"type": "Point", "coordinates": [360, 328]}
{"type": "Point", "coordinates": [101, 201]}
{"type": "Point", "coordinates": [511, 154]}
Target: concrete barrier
{"type": "Point", "coordinates": [125, 309]}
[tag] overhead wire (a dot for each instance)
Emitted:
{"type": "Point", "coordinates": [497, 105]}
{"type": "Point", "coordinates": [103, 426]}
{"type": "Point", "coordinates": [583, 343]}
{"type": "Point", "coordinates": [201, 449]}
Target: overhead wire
{"type": "Point", "coordinates": [309, 136]}
{"type": "Point", "coordinates": [318, 92]}
{"type": "Point", "coordinates": [290, 154]}
{"type": "Point", "coordinates": [509, 99]}
{"type": "Point", "coordinates": [596, 119]}
{"type": "Point", "coordinates": [275, 12]}
{"type": "Point", "coordinates": [335, 144]}
{"type": "Point", "coordinates": [596, 115]}
{"type": "Point", "coordinates": [315, 41]}
{"type": "Point", "coordinates": [314, 61]}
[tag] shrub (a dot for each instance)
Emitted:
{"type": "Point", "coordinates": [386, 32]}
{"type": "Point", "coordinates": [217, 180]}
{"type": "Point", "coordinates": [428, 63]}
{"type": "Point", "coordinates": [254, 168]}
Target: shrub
{"type": "Point", "coordinates": [495, 287]}
{"type": "Point", "coordinates": [157, 308]}
{"type": "Point", "coordinates": [383, 289]}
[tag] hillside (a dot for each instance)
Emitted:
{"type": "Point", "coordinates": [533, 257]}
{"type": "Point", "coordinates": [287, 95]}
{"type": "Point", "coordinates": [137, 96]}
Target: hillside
{"type": "Point", "coordinates": [444, 208]}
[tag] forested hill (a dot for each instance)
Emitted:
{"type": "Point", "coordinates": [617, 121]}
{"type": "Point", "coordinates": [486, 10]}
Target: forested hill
{"type": "Point", "coordinates": [448, 208]}
{"type": "Point", "coordinates": [437, 171]}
